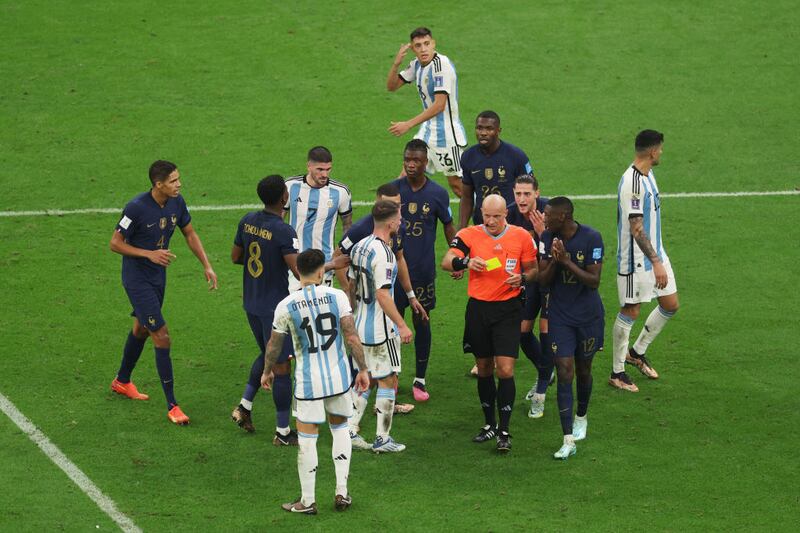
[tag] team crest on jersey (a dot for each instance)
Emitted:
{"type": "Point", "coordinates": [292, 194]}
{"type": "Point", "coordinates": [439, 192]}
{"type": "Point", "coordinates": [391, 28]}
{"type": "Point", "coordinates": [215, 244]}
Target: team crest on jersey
{"type": "Point", "coordinates": [412, 207]}
{"type": "Point", "coordinates": [330, 203]}
{"type": "Point", "coordinates": [579, 256]}
{"type": "Point", "coordinates": [426, 208]}
{"type": "Point", "coordinates": [151, 320]}
{"type": "Point", "coordinates": [174, 220]}
{"type": "Point", "coordinates": [501, 173]}
{"type": "Point", "coordinates": [162, 223]}
{"type": "Point", "coordinates": [488, 173]}
{"type": "Point", "coordinates": [554, 347]}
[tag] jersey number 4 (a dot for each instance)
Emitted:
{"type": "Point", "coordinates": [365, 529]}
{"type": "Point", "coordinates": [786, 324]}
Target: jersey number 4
{"type": "Point", "coordinates": [329, 332]}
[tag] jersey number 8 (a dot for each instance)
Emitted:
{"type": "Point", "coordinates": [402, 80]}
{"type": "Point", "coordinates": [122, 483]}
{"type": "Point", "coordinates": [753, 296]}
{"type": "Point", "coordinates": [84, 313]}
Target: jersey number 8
{"type": "Point", "coordinates": [254, 265]}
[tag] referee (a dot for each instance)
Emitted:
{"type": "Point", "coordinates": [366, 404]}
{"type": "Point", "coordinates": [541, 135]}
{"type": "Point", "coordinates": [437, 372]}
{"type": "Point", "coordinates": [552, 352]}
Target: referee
{"type": "Point", "coordinates": [500, 258]}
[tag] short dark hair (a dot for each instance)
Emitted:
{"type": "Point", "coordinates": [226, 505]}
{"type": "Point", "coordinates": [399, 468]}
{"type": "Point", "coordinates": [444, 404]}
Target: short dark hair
{"type": "Point", "coordinates": [309, 261]}
{"type": "Point", "coordinates": [563, 203]}
{"type": "Point", "coordinates": [489, 114]}
{"type": "Point", "coordinates": [416, 145]}
{"type": "Point", "coordinates": [271, 189]}
{"type": "Point", "coordinates": [528, 178]}
{"type": "Point", "coordinates": [648, 139]}
{"type": "Point", "coordinates": [388, 189]}
{"type": "Point", "coordinates": [422, 31]}
{"type": "Point", "coordinates": [383, 210]}
{"type": "Point", "coordinates": [320, 154]}
{"type": "Point", "coordinates": [160, 170]}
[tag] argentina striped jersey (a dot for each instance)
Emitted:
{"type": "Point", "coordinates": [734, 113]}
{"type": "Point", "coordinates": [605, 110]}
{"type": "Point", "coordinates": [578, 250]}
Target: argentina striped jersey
{"type": "Point", "coordinates": [637, 195]}
{"type": "Point", "coordinates": [312, 317]}
{"type": "Point", "coordinates": [313, 212]}
{"type": "Point", "coordinates": [438, 76]}
{"type": "Point", "coordinates": [372, 267]}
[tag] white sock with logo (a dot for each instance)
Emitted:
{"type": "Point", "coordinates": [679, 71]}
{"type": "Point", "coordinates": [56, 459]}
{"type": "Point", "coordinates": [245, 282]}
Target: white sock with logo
{"type": "Point", "coordinates": [341, 450]}
{"type": "Point", "coordinates": [307, 466]}
{"type": "Point", "coordinates": [360, 401]}
{"type": "Point", "coordinates": [652, 327]}
{"type": "Point", "coordinates": [622, 333]}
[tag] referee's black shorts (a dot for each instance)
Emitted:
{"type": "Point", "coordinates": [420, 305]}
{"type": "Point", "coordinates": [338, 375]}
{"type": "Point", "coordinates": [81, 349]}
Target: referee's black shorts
{"type": "Point", "coordinates": [492, 328]}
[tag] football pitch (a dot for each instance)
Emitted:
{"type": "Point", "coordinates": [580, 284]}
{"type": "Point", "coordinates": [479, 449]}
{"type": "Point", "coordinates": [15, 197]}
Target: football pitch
{"type": "Point", "coordinates": [91, 93]}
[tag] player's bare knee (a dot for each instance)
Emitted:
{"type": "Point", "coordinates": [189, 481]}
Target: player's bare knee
{"type": "Point", "coordinates": [161, 337]}
{"type": "Point", "coordinates": [631, 310]}
{"type": "Point", "coordinates": [669, 303]}
{"type": "Point", "coordinates": [485, 366]}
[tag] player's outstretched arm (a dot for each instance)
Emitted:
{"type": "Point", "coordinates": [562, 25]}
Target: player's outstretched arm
{"type": "Point", "coordinates": [393, 80]}
{"type": "Point", "coordinates": [159, 257]}
{"type": "Point", "coordinates": [643, 241]}
{"type": "Point", "coordinates": [271, 354]}
{"type": "Point", "coordinates": [196, 246]}
{"type": "Point", "coordinates": [400, 128]}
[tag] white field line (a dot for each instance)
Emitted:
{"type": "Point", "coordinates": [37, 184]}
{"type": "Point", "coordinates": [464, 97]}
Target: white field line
{"type": "Point", "coordinates": [362, 203]}
{"type": "Point", "coordinates": [105, 503]}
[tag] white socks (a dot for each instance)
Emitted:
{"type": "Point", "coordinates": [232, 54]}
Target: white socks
{"type": "Point", "coordinates": [247, 404]}
{"type": "Point", "coordinates": [341, 452]}
{"type": "Point", "coordinates": [307, 466]}
{"type": "Point", "coordinates": [652, 327]}
{"type": "Point", "coordinates": [359, 406]}
{"type": "Point", "coordinates": [385, 404]}
{"type": "Point", "coordinates": [622, 333]}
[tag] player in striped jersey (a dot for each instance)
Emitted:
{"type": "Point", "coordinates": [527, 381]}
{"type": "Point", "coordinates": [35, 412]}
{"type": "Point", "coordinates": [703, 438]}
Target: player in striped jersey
{"type": "Point", "coordinates": [643, 266]}
{"type": "Point", "coordinates": [373, 270]}
{"type": "Point", "coordinates": [315, 202]}
{"type": "Point", "coordinates": [437, 85]}
{"type": "Point", "coordinates": [319, 320]}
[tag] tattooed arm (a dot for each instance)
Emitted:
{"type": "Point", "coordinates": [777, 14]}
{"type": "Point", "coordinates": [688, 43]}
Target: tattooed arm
{"type": "Point", "coordinates": [271, 355]}
{"type": "Point", "coordinates": [639, 235]}
{"type": "Point", "coordinates": [356, 352]}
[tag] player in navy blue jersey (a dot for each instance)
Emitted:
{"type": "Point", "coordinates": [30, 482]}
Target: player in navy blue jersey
{"type": "Point", "coordinates": [528, 213]}
{"type": "Point", "coordinates": [489, 167]}
{"type": "Point", "coordinates": [267, 247]}
{"type": "Point", "coordinates": [424, 203]}
{"type": "Point", "coordinates": [571, 266]}
{"type": "Point", "coordinates": [142, 238]}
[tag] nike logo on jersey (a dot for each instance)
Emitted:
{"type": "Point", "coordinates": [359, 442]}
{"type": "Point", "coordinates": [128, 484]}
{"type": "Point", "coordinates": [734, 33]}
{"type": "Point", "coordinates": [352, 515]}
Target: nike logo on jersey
{"type": "Point", "coordinates": [475, 171]}
{"type": "Point", "coordinates": [151, 225]}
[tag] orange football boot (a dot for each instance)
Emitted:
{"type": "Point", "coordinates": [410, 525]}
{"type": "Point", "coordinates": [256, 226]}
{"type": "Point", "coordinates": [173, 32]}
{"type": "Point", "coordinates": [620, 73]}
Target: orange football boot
{"type": "Point", "coordinates": [128, 389]}
{"type": "Point", "coordinates": [176, 416]}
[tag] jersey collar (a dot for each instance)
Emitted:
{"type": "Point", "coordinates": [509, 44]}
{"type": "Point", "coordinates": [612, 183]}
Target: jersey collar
{"type": "Point", "coordinates": [495, 237]}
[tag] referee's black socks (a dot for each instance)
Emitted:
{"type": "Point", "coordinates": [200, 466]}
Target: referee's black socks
{"type": "Point", "coordinates": [487, 392]}
{"type": "Point", "coordinates": [506, 390]}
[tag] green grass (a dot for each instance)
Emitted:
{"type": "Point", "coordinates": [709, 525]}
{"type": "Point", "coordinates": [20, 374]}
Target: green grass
{"type": "Point", "coordinates": [92, 93]}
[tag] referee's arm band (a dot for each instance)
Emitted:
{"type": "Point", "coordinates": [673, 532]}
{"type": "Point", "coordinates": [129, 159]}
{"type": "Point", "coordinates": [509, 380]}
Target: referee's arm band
{"type": "Point", "coordinates": [460, 263]}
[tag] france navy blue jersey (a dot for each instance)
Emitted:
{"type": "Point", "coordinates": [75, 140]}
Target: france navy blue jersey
{"type": "Point", "coordinates": [493, 173]}
{"type": "Point", "coordinates": [266, 239]}
{"type": "Point", "coordinates": [148, 226]}
{"type": "Point", "coordinates": [421, 212]}
{"type": "Point", "coordinates": [571, 302]}
{"type": "Point", "coordinates": [363, 227]}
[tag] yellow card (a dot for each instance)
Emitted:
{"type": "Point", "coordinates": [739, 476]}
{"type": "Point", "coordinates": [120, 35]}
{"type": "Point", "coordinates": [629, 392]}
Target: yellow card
{"type": "Point", "coordinates": [492, 263]}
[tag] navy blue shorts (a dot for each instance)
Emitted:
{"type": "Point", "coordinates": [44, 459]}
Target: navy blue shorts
{"type": "Point", "coordinates": [535, 302]}
{"type": "Point", "coordinates": [147, 300]}
{"type": "Point", "coordinates": [577, 341]}
{"type": "Point", "coordinates": [425, 291]}
{"type": "Point", "coordinates": [262, 331]}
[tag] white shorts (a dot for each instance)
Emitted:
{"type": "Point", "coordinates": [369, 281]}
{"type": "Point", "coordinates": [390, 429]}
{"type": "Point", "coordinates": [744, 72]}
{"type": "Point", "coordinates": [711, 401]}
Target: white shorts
{"type": "Point", "coordinates": [446, 160]}
{"type": "Point", "coordinates": [313, 411]}
{"type": "Point", "coordinates": [327, 280]}
{"type": "Point", "coordinates": [383, 360]}
{"type": "Point", "coordinates": [640, 287]}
